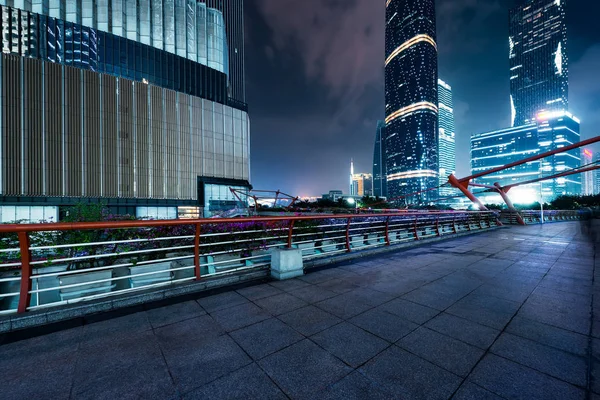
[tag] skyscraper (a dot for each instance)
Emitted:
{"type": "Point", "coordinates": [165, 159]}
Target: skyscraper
{"type": "Point", "coordinates": [447, 139]}
{"type": "Point", "coordinates": [588, 186]}
{"type": "Point", "coordinates": [538, 59]}
{"type": "Point", "coordinates": [411, 98]}
{"type": "Point", "coordinates": [135, 104]}
{"type": "Point", "coordinates": [379, 176]}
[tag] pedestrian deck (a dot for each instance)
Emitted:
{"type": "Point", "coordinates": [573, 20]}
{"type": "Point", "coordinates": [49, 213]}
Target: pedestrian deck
{"type": "Point", "coordinates": [504, 314]}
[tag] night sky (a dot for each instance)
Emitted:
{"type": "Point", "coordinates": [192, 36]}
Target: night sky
{"type": "Point", "coordinates": [315, 82]}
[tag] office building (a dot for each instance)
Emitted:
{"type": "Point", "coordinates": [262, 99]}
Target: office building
{"type": "Point", "coordinates": [362, 185]}
{"type": "Point", "coordinates": [550, 131]}
{"type": "Point", "coordinates": [539, 72]}
{"type": "Point", "coordinates": [379, 175]}
{"type": "Point", "coordinates": [588, 178]}
{"type": "Point", "coordinates": [446, 139]}
{"type": "Point", "coordinates": [597, 174]}
{"type": "Point", "coordinates": [139, 105]}
{"type": "Point", "coordinates": [411, 101]}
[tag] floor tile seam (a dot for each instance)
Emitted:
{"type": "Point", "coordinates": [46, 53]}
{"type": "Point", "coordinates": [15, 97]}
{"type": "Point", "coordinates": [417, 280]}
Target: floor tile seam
{"type": "Point", "coordinates": [455, 338]}
{"type": "Point", "coordinates": [542, 344]}
{"type": "Point", "coordinates": [168, 368]}
{"type": "Point", "coordinates": [429, 362]}
{"type": "Point", "coordinates": [183, 394]}
{"type": "Point", "coordinates": [539, 371]}
{"type": "Point", "coordinates": [341, 320]}
{"type": "Point", "coordinates": [501, 331]}
{"type": "Point", "coordinates": [177, 322]}
{"type": "Point", "coordinates": [75, 362]}
{"type": "Point", "coordinates": [379, 337]}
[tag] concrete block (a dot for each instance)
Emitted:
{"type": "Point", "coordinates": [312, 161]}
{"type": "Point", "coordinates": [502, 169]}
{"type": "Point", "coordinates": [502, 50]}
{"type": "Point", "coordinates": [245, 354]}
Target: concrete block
{"type": "Point", "coordinates": [286, 264]}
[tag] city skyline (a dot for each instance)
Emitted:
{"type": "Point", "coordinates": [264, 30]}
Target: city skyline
{"type": "Point", "coordinates": [319, 122]}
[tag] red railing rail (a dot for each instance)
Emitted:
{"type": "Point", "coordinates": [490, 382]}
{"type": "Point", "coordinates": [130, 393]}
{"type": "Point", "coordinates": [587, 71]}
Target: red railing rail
{"type": "Point", "coordinates": [43, 269]}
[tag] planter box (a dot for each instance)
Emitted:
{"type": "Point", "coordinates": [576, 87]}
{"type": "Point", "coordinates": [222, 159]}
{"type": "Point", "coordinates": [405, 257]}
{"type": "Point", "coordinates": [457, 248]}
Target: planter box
{"type": "Point", "coordinates": [224, 262]}
{"type": "Point", "coordinates": [308, 249]}
{"type": "Point", "coordinates": [374, 238]}
{"type": "Point", "coordinates": [162, 269]}
{"type": "Point", "coordinates": [85, 290]}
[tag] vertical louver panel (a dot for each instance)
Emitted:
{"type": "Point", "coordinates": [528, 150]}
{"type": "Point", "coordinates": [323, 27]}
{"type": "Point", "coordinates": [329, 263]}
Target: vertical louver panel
{"type": "Point", "coordinates": [184, 148]}
{"type": "Point", "coordinates": [109, 136]}
{"type": "Point", "coordinates": [125, 142]}
{"type": "Point", "coordinates": [53, 105]}
{"type": "Point", "coordinates": [142, 140]}
{"type": "Point", "coordinates": [73, 133]}
{"type": "Point", "coordinates": [33, 140]}
{"type": "Point", "coordinates": [91, 127]}
{"type": "Point", "coordinates": [172, 141]}
{"type": "Point", "coordinates": [158, 140]}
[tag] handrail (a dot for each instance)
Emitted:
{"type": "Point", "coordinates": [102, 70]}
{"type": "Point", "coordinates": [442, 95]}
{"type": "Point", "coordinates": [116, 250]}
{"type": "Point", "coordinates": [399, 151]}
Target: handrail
{"type": "Point", "coordinates": [124, 266]}
{"type": "Point", "coordinates": [70, 226]}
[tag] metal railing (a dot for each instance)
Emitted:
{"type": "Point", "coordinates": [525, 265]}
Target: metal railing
{"type": "Point", "coordinates": [535, 216]}
{"type": "Point", "coordinates": [45, 265]}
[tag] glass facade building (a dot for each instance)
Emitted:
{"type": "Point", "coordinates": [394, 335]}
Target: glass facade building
{"type": "Point", "coordinates": [539, 62]}
{"type": "Point", "coordinates": [549, 131]}
{"type": "Point", "coordinates": [379, 175]}
{"type": "Point", "coordinates": [411, 101]}
{"type": "Point", "coordinates": [129, 103]}
{"type": "Point", "coordinates": [588, 184]}
{"type": "Point", "coordinates": [447, 138]}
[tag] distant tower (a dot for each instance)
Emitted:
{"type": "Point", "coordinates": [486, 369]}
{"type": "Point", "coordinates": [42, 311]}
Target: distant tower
{"type": "Point", "coordinates": [447, 137]}
{"type": "Point", "coordinates": [353, 188]}
{"type": "Point", "coordinates": [411, 98]}
{"type": "Point", "coordinates": [379, 175]}
{"type": "Point", "coordinates": [539, 75]}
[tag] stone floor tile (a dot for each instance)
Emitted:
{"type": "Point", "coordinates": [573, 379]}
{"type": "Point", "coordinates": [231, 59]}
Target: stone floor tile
{"type": "Point", "coordinates": [557, 363]}
{"type": "Point", "coordinates": [114, 328]}
{"type": "Point", "coordinates": [407, 376]}
{"type": "Point", "coordinates": [129, 368]}
{"type": "Point", "coordinates": [309, 320]}
{"type": "Point", "coordinates": [416, 313]}
{"type": "Point", "coordinates": [249, 382]}
{"type": "Point", "coordinates": [549, 335]}
{"type": "Point", "coordinates": [266, 337]}
{"type": "Point", "coordinates": [289, 284]}
{"type": "Point", "coordinates": [195, 362]}
{"type": "Point", "coordinates": [221, 301]}
{"type": "Point", "coordinates": [280, 303]}
{"type": "Point", "coordinates": [239, 316]}
{"type": "Point", "coordinates": [303, 369]}
{"type": "Point", "coordinates": [514, 381]}
{"type": "Point", "coordinates": [344, 306]}
{"type": "Point", "coordinates": [312, 294]}
{"type": "Point", "coordinates": [350, 344]}
{"type": "Point", "coordinates": [259, 291]}
{"type": "Point", "coordinates": [462, 329]}
{"type": "Point", "coordinates": [174, 313]}
{"type": "Point", "coordinates": [444, 351]}
{"type": "Point", "coordinates": [383, 324]}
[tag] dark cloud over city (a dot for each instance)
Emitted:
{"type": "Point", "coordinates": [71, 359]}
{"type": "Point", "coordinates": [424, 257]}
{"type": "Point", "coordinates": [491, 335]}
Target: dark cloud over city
{"type": "Point", "coordinates": [315, 82]}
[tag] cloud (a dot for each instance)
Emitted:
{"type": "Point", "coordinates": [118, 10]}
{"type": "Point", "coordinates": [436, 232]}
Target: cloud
{"type": "Point", "coordinates": [584, 91]}
{"type": "Point", "coordinates": [341, 43]}
{"type": "Point", "coordinates": [460, 23]}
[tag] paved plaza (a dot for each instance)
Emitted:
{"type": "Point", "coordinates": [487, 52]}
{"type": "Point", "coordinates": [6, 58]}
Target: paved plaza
{"type": "Point", "coordinates": [504, 314]}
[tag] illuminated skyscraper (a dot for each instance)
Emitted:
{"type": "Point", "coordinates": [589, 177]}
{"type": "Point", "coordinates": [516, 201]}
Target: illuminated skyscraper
{"type": "Point", "coordinates": [411, 100]}
{"type": "Point", "coordinates": [588, 178]}
{"type": "Point", "coordinates": [447, 139]}
{"type": "Point", "coordinates": [379, 180]}
{"type": "Point", "coordinates": [538, 59]}
{"type": "Point", "coordinates": [549, 131]}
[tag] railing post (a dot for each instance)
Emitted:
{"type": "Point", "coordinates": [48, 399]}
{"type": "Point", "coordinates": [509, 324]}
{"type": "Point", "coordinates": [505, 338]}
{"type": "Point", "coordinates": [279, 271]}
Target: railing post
{"type": "Point", "coordinates": [437, 226]}
{"type": "Point", "coordinates": [480, 221]}
{"type": "Point", "coordinates": [24, 295]}
{"type": "Point", "coordinates": [290, 234]}
{"type": "Point", "coordinates": [415, 229]}
{"type": "Point", "coordinates": [387, 231]}
{"type": "Point", "coordinates": [454, 223]}
{"type": "Point", "coordinates": [197, 252]}
{"type": "Point", "coordinates": [348, 235]}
